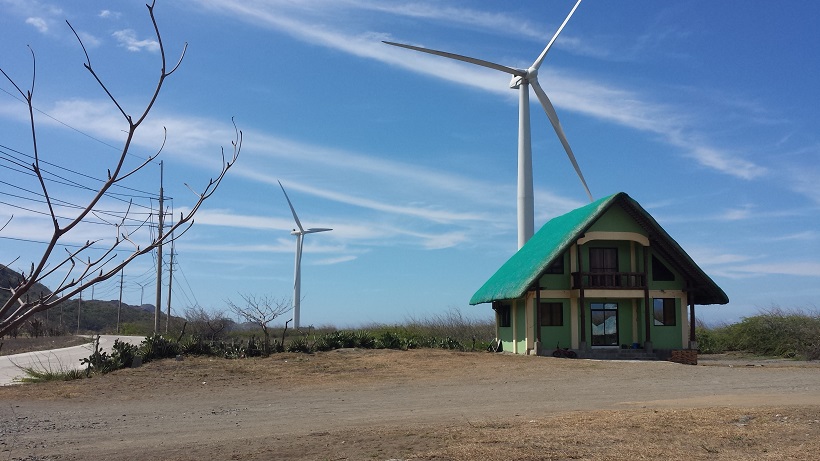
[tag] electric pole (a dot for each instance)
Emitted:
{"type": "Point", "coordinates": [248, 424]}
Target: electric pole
{"type": "Point", "coordinates": [119, 306]}
{"type": "Point", "coordinates": [160, 218]}
{"type": "Point", "coordinates": [170, 282]}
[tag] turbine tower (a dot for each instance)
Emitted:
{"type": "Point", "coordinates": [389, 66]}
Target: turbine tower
{"type": "Point", "coordinates": [297, 272]}
{"type": "Point", "coordinates": [522, 79]}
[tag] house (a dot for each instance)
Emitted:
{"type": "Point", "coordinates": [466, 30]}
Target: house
{"type": "Point", "coordinates": [604, 280]}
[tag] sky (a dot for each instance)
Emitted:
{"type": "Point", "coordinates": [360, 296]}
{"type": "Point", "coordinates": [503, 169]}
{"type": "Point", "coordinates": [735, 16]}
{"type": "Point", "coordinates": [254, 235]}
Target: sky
{"type": "Point", "coordinates": [704, 112]}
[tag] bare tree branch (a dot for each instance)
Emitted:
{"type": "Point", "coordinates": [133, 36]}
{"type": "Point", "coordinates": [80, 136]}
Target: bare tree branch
{"type": "Point", "coordinates": [78, 269]}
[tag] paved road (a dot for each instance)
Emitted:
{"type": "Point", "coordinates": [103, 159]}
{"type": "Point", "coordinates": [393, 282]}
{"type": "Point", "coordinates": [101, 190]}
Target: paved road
{"type": "Point", "coordinates": [56, 359]}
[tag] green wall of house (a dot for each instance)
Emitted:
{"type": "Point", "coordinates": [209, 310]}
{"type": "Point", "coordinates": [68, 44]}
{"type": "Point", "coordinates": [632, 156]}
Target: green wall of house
{"type": "Point", "coordinates": [521, 325]}
{"type": "Point", "coordinates": [616, 220]}
{"type": "Point", "coordinates": [668, 336]}
{"type": "Point", "coordinates": [561, 335]}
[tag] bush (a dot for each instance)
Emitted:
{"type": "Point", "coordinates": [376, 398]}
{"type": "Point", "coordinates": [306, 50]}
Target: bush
{"type": "Point", "coordinates": [709, 340]}
{"type": "Point", "coordinates": [158, 347]}
{"type": "Point", "coordinates": [194, 345]}
{"type": "Point", "coordinates": [389, 340]}
{"type": "Point", "coordinates": [299, 345]}
{"type": "Point", "coordinates": [775, 332]}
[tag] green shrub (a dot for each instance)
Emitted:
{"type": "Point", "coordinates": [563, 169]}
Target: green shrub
{"type": "Point", "coordinates": [365, 340]}
{"type": "Point", "coordinates": [195, 345]}
{"type": "Point", "coordinates": [389, 340]}
{"type": "Point", "coordinates": [774, 332]}
{"type": "Point", "coordinates": [158, 347]}
{"type": "Point", "coordinates": [299, 345]}
{"type": "Point", "coordinates": [709, 340]}
{"type": "Point", "coordinates": [450, 343]}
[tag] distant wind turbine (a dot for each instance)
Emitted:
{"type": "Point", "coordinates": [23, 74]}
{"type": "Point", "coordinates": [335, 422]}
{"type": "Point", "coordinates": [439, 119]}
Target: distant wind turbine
{"type": "Point", "coordinates": [521, 80]}
{"type": "Point", "coordinates": [297, 273]}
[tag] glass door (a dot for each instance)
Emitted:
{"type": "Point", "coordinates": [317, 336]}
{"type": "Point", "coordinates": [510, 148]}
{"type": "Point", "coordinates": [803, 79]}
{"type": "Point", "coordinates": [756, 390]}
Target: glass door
{"type": "Point", "coordinates": [604, 318]}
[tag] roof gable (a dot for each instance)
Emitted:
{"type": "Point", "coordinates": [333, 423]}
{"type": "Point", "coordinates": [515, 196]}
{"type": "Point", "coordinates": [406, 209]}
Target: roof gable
{"type": "Point", "coordinates": [515, 277]}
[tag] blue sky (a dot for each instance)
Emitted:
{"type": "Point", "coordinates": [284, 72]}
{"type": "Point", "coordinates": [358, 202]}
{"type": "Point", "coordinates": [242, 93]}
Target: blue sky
{"type": "Point", "coordinates": [705, 112]}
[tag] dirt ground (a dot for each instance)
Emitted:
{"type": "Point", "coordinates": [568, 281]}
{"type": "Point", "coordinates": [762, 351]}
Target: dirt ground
{"type": "Point", "coordinates": [421, 404]}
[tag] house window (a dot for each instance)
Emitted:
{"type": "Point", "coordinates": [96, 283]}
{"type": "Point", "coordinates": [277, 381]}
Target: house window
{"type": "Point", "coordinates": [664, 311]}
{"type": "Point", "coordinates": [557, 267]}
{"type": "Point", "coordinates": [661, 273]}
{"type": "Point", "coordinates": [504, 315]}
{"type": "Point", "coordinates": [603, 261]}
{"type": "Point", "coordinates": [552, 314]}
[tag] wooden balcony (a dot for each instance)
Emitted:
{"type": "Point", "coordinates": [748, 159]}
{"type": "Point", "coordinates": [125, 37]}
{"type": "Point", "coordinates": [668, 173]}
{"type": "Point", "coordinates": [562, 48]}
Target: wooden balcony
{"type": "Point", "coordinates": [609, 280]}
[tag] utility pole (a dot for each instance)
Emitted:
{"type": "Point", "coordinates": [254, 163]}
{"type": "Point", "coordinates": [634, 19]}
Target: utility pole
{"type": "Point", "coordinates": [79, 307]}
{"type": "Point", "coordinates": [170, 282]}
{"type": "Point", "coordinates": [160, 218]}
{"type": "Point", "coordinates": [119, 306]}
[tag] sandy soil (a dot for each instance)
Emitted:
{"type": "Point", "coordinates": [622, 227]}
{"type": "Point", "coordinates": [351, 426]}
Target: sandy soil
{"type": "Point", "coordinates": [421, 404]}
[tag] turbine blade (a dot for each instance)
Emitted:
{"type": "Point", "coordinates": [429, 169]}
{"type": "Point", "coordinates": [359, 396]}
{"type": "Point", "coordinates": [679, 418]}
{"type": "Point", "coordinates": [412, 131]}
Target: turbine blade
{"type": "Point", "coordinates": [295, 218]}
{"type": "Point", "coordinates": [543, 54]}
{"type": "Point", "coordinates": [458, 57]}
{"type": "Point", "coordinates": [550, 110]}
{"type": "Point", "coordinates": [313, 230]}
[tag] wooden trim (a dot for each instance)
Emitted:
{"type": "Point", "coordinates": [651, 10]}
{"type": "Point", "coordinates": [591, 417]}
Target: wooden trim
{"type": "Point", "coordinates": [605, 235]}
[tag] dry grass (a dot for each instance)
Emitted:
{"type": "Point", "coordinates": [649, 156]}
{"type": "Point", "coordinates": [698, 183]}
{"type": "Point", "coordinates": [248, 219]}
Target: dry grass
{"type": "Point", "coordinates": [651, 434]}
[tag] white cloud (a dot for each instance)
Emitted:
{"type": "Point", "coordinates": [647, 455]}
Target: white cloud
{"type": "Point", "coordinates": [39, 23]}
{"type": "Point", "coordinates": [793, 268]}
{"type": "Point", "coordinates": [108, 14]}
{"type": "Point", "coordinates": [128, 39]}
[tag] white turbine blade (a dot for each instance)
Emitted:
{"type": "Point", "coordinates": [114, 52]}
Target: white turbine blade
{"type": "Point", "coordinates": [458, 57]}
{"type": "Point", "coordinates": [543, 54]}
{"type": "Point", "coordinates": [317, 229]}
{"type": "Point", "coordinates": [296, 218]}
{"type": "Point", "coordinates": [545, 101]}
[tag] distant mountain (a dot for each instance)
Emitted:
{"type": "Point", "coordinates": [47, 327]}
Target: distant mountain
{"type": "Point", "coordinates": [10, 278]}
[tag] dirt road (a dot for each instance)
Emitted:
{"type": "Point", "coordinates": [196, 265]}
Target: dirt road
{"type": "Point", "coordinates": [353, 404]}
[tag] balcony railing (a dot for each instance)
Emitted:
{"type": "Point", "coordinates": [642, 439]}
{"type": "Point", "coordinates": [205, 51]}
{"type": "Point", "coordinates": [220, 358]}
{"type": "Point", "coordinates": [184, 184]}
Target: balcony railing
{"type": "Point", "coordinates": [609, 280]}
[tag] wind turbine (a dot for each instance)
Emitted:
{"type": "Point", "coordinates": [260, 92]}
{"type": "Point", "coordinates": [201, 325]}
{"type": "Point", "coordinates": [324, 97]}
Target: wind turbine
{"type": "Point", "coordinates": [297, 272]}
{"type": "Point", "coordinates": [522, 79]}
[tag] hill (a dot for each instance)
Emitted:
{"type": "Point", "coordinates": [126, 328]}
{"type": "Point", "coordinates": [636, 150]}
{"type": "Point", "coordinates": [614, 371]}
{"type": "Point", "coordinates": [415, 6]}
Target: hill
{"type": "Point", "coordinates": [9, 278]}
{"type": "Point", "coordinates": [95, 316]}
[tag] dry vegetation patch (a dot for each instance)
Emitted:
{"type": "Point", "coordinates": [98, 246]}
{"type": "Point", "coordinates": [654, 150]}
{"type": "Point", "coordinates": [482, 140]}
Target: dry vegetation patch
{"type": "Point", "coordinates": [692, 434]}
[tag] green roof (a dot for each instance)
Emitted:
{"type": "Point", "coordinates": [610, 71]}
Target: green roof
{"type": "Point", "coordinates": [525, 267]}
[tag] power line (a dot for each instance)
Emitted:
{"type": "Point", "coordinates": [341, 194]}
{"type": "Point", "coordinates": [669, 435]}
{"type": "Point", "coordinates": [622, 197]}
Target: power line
{"type": "Point", "coordinates": [68, 126]}
{"type": "Point", "coordinates": [68, 182]}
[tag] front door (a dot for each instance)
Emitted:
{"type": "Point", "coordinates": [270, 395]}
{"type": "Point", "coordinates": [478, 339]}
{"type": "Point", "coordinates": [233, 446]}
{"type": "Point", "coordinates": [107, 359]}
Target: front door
{"type": "Point", "coordinates": [604, 318]}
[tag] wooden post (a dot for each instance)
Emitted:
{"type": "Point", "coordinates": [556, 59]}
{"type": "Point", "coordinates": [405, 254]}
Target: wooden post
{"type": "Point", "coordinates": [647, 307]}
{"type": "Point", "coordinates": [581, 304]}
{"type": "Point", "coordinates": [692, 336]}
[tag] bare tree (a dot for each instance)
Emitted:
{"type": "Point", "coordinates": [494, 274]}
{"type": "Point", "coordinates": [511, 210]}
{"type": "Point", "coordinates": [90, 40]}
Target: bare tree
{"type": "Point", "coordinates": [261, 311]}
{"type": "Point", "coordinates": [207, 325]}
{"type": "Point", "coordinates": [82, 267]}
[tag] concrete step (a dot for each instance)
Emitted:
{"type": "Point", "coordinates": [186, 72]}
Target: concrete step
{"type": "Point", "coordinates": [617, 354]}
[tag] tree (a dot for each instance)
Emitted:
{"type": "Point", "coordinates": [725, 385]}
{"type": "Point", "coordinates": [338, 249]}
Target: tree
{"type": "Point", "coordinates": [208, 325]}
{"type": "Point", "coordinates": [261, 311]}
{"type": "Point", "coordinates": [82, 267]}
